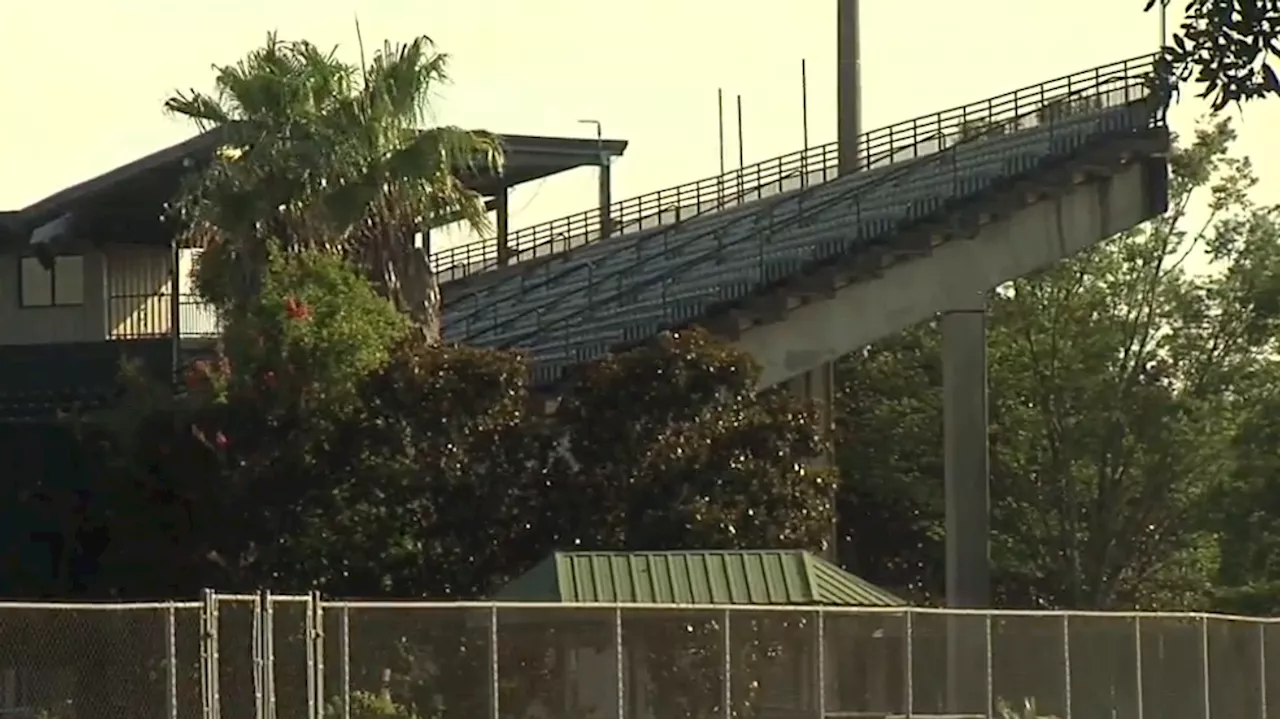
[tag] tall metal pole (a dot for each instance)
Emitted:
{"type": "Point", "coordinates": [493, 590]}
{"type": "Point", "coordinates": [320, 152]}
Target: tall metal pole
{"type": "Point", "coordinates": [804, 103]}
{"type": "Point", "coordinates": [804, 123]}
{"type": "Point", "coordinates": [849, 86]}
{"type": "Point", "coordinates": [741, 155]}
{"type": "Point", "coordinates": [720, 120]}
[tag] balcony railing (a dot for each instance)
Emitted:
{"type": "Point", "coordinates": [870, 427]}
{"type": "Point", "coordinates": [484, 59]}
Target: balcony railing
{"type": "Point", "coordinates": [297, 656]}
{"type": "Point", "coordinates": [148, 315]}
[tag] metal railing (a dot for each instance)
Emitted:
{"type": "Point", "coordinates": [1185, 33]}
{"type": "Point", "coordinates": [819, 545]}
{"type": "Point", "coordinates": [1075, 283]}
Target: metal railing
{"type": "Point", "coordinates": [285, 657]}
{"type": "Point", "coordinates": [147, 315]}
{"type": "Point", "coordinates": [907, 147]}
{"type": "Point", "coordinates": [905, 140]}
{"type": "Point", "coordinates": [654, 209]}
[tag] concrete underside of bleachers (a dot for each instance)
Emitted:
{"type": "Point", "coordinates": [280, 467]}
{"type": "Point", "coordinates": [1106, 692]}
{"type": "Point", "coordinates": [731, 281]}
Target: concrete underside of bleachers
{"type": "Point", "coordinates": [1009, 233]}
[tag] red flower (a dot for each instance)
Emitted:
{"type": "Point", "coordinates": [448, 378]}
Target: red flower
{"type": "Point", "coordinates": [296, 310]}
{"type": "Point", "coordinates": [197, 374]}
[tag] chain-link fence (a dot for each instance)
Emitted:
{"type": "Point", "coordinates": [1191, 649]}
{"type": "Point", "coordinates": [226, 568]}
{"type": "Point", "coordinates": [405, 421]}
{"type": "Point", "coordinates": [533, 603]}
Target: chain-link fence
{"type": "Point", "coordinates": [286, 657]}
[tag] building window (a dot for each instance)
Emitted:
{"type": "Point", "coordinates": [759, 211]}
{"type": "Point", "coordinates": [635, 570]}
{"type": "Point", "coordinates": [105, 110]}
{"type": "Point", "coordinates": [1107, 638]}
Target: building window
{"type": "Point", "coordinates": [62, 286]}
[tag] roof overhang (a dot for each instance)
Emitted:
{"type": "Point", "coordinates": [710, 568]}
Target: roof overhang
{"type": "Point", "coordinates": [143, 186]}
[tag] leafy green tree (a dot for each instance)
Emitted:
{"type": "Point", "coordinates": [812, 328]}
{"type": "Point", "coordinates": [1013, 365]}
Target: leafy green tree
{"type": "Point", "coordinates": [1230, 46]}
{"type": "Point", "coordinates": [320, 154]}
{"type": "Point", "coordinates": [1119, 383]}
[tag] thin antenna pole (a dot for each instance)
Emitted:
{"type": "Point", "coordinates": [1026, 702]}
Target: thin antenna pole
{"type": "Point", "coordinates": [720, 116]}
{"type": "Point", "coordinates": [741, 154]}
{"type": "Point", "coordinates": [804, 102]}
{"type": "Point", "coordinates": [804, 122]}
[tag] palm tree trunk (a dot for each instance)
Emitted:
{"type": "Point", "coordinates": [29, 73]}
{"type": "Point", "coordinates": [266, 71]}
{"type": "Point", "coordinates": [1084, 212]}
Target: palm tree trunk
{"type": "Point", "coordinates": [419, 294]}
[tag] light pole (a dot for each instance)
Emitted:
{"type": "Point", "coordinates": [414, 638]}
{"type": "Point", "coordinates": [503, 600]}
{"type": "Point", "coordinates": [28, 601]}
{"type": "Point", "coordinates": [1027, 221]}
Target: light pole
{"type": "Point", "coordinates": [605, 189]}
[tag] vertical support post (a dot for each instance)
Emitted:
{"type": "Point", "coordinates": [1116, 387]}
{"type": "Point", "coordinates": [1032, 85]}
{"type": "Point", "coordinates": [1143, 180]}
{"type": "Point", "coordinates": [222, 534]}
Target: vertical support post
{"type": "Point", "coordinates": [175, 306]}
{"type": "Point", "coordinates": [1262, 669]}
{"type": "Point", "coordinates": [309, 650]}
{"type": "Point", "coordinates": [1204, 665]}
{"type": "Point", "coordinates": [909, 673]}
{"type": "Point", "coordinates": [501, 206]}
{"type": "Point", "coordinates": [989, 669]}
{"type": "Point", "coordinates": [268, 655]}
{"type": "Point", "coordinates": [619, 662]}
{"type": "Point", "coordinates": [820, 662]}
{"type": "Point", "coordinates": [259, 661]}
{"type": "Point", "coordinates": [1066, 665]}
{"type": "Point", "coordinates": [1137, 652]}
{"type": "Point", "coordinates": [605, 196]}
{"type": "Point", "coordinates": [344, 668]}
{"type": "Point", "coordinates": [848, 86]}
{"type": "Point", "coordinates": [493, 662]}
{"type": "Point", "coordinates": [968, 503]}
{"type": "Point", "coordinates": [171, 661]}
{"type": "Point", "coordinates": [213, 641]}
{"type": "Point", "coordinates": [315, 651]}
{"type": "Point", "coordinates": [726, 668]}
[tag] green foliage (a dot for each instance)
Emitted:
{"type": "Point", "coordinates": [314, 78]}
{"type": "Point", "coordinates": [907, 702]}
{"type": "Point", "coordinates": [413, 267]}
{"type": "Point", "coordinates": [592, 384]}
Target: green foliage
{"type": "Point", "coordinates": [314, 330]}
{"type": "Point", "coordinates": [1120, 384]}
{"type": "Point", "coordinates": [329, 449]}
{"type": "Point", "coordinates": [367, 705]}
{"type": "Point", "coordinates": [319, 154]}
{"type": "Point", "coordinates": [1230, 46]}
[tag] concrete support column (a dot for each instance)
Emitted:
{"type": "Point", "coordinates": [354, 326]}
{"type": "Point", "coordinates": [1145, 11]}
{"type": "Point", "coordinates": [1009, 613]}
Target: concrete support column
{"type": "Point", "coordinates": [968, 503]}
{"type": "Point", "coordinates": [818, 386]}
{"type": "Point", "coordinates": [501, 207]}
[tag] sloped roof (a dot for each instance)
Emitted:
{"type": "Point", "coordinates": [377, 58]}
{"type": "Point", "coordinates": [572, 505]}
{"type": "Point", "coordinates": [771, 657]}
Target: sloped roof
{"type": "Point", "coordinates": [749, 577]}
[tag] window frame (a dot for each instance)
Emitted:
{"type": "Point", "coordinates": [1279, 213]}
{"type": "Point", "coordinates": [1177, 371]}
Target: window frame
{"type": "Point", "coordinates": [53, 302]}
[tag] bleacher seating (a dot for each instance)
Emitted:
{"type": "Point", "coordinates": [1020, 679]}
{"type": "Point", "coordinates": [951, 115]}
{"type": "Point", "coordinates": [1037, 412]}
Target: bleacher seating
{"type": "Point", "coordinates": [625, 288]}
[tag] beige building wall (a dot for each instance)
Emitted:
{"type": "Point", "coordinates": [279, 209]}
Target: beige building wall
{"type": "Point", "coordinates": [126, 295]}
{"type": "Point", "coordinates": [43, 325]}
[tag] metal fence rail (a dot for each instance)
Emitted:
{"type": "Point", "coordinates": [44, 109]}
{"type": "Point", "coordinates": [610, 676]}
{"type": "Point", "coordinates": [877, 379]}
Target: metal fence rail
{"type": "Point", "coordinates": [285, 657]}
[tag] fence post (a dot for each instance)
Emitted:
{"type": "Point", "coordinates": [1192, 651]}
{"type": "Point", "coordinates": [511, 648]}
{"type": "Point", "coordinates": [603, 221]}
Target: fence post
{"type": "Point", "coordinates": [267, 609]}
{"type": "Point", "coordinates": [820, 662]}
{"type": "Point", "coordinates": [1137, 651]}
{"type": "Point", "coordinates": [991, 700]}
{"type": "Point", "coordinates": [1262, 668]}
{"type": "Point", "coordinates": [209, 693]}
{"type": "Point", "coordinates": [171, 661]}
{"type": "Point", "coordinates": [344, 666]}
{"type": "Point", "coordinates": [309, 651]}
{"type": "Point", "coordinates": [493, 661]}
{"type": "Point", "coordinates": [259, 661]}
{"type": "Point", "coordinates": [727, 669]}
{"type": "Point", "coordinates": [1066, 664]}
{"type": "Point", "coordinates": [619, 661]}
{"type": "Point", "coordinates": [315, 656]}
{"type": "Point", "coordinates": [909, 677]}
{"type": "Point", "coordinates": [1204, 664]}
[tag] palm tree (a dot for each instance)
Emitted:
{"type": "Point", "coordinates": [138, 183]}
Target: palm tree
{"type": "Point", "coordinates": [316, 153]}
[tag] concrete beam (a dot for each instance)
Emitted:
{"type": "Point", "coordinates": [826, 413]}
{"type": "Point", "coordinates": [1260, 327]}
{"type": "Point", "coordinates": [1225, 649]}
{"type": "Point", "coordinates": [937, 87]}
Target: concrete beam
{"type": "Point", "coordinates": [913, 290]}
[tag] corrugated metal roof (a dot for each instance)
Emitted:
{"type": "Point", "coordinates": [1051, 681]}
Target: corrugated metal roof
{"type": "Point", "coordinates": [759, 577]}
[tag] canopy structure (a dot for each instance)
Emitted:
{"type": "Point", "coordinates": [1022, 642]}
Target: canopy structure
{"type": "Point", "coordinates": [127, 203]}
{"type": "Point", "coordinates": [722, 577]}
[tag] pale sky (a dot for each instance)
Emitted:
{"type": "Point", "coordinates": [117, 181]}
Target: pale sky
{"type": "Point", "coordinates": [83, 82]}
